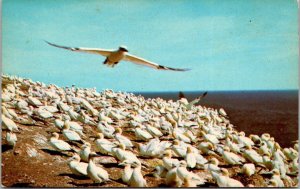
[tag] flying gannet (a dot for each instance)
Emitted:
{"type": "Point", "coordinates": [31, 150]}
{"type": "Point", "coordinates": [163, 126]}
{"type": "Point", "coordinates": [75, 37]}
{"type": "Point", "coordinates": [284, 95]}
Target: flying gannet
{"type": "Point", "coordinates": [113, 57]}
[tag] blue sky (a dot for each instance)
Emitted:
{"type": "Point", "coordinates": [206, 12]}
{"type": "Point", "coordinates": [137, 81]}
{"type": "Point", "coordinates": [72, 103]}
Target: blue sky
{"type": "Point", "coordinates": [229, 45]}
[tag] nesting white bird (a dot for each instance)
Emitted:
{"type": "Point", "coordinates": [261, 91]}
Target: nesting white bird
{"type": "Point", "coordinates": [11, 138]}
{"type": "Point", "coordinates": [188, 182]}
{"type": "Point", "coordinates": [206, 147]}
{"type": "Point", "coordinates": [10, 113]}
{"type": "Point", "coordinates": [85, 119]}
{"type": "Point", "coordinates": [97, 174]}
{"type": "Point", "coordinates": [230, 157]}
{"type": "Point", "coordinates": [137, 179]}
{"type": "Point", "coordinates": [59, 124]}
{"type": "Point", "coordinates": [248, 169]}
{"type": "Point", "coordinates": [122, 139]}
{"type": "Point", "coordinates": [232, 146]}
{"type": "Point", "coordinates": [290, 153]}
{"type": "Point", "coordinates": [213, 166]}
{"type": "Point", "coordinates": [276, 178]}
{"type": "Point", "coordinates": [9, 124]}
{"type": "Point", "coordinates": [85, 151]}
{"type": "Point", "coordinates": [127, 172]}
{"type": "Point", "coordinates": [252, 155]}
{"type": "Point", "coordinates": [200, 161]}
{"type": "Point", "coordinates": [181, 136]}
{"type": "Point", "coordinates": [154, 131]}
{"type": "Point", "coordinates": [64, 107]}
{"type": "Point", "coordinates": [263, 149]}
{"type": "Point", "coordinates": [74, 126]}
{"type": "Point", "coordinates": [182, 173]}
{"type": "Point", "coordinates": [51, 109]}
{"type": "Point", "coordinates": [243, 140]}
{"type": "Point", "coordinates": [190, 135]}
{"type": "Point", "coordinates": [267, 162]}
{"type": "Point", "coordinates": [107, 130]}
{"type": "Point", "coordinates": [255, 138]}
{"type": "Point", "coordinates": [69, 134]}
{"type": "Point", "coordinates": [160, 172]}
{"type": "Point", "coordinates": [103, 145]}
{"type": "Point", "coordinates": [209, 137]}
{"type": "Point", "coordinates": [5, 112]}
{"type": "Point", "coordinates": [59, 145]}
{"type": "Point", "coordinates": [21, 104]}
{"type": "Point", "coordinates": [142, 134]}
{"type": "Point", "coordinates": [190, 158]}
{"type": "Point", "coordinates": [294, 165]}
{"type": "Point", "coordinates": [222, 112]}
{"type": "Point", "coordinates": [34, 101]}
{"type": "Point", "coordinates": [73, 115]}
{"type": "Point", "coordinates": [77, 167]}
{"type": "Point", "coordinates": [223, 179]}
{"type": "Point", "coordinates": [179, 148]}
{"type": "Point", "coordinates": [168, 162]}
{"type": "Point", "coordinates": [43, 113]}
{"type": "Point", "coordinates": [116, 115]}
{"type": "Point", "coordinates": [121, 154]}
{"type": "Point", "coordinates": [172, 179]}
{"type": "Point", "coordinates": [104, 118]}
{"type": "Point", "coordinates": [152, 149]}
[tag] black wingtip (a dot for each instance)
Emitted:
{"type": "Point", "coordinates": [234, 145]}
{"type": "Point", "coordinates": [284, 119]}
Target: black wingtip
{"type": "Point", "coordinates": [181, 95]}
{"type": "Point", "coordinates": [160, 67]}
{"type": "Point", "coordinates": [204, 94]}
{"type": "Point", "coordinates": [46, 41]}
{"type": "Point", "coordinates": [186, 69]}
{"type": "Point", "coordinates": [179, 69]}
{"type": "Point", "coordinates": [49, 43]}
{"type": "Point", "coordinates": [64, 47]}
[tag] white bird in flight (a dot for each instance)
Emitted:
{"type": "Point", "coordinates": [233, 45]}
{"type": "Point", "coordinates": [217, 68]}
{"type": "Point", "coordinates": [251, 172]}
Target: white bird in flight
{"type": "Point", "coordinates": [113, 57]}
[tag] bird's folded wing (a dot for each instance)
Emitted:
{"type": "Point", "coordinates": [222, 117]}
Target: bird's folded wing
{"type": "Point", "coordinates": [144, 62]}
{"type": "Point", "coordinates": [102, 52]}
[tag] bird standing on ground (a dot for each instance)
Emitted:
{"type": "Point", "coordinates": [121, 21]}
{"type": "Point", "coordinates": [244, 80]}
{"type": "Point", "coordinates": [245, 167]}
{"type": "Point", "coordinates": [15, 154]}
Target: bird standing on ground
{"type": "Point", "coordinates": [223, 179]}
{"type": "Point", "coordinates": [137, 179]}
{"type": "Point", "coordinates": [77, 167]}
{"type": "Point", "coordinates": [69, 134]}
{"type": "Point", "coordinates": [57, 144]}
{"type": "Point", "coordinates": [113, 57]}
{"type": "Point", "coordinates": [122, 139]}
{"type": "Point", "coordinates": [11, 138]}
{"type": "Point", "coordinates": [9, 124]}
{"type": "Point", "coordinates": [85, 152]}
{"type": "Point", "coordinates": [127, 172]}
{"type": "Point", "coordinates": [97, 174]}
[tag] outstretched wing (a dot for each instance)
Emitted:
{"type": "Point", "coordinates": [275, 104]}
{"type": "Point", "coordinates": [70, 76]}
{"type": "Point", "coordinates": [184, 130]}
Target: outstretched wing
{"type": "Point", "coordinates": [192, 103]}
{"type": "Point", "coordinates": [181, 95]}
{"type": "Point", "coordinates": [102, 52]}
{"type": "Point", "coordinates": [141, 61]}
{"type": "Point", "coordinates": [198, 99]}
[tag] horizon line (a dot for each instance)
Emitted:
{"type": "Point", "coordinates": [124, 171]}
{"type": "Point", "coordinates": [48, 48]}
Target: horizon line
{"type": "Point", "coordinates": [156, 91]}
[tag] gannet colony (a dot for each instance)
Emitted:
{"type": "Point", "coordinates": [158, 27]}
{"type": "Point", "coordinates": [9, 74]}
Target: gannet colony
{"type": "Point", "coordinates": [74, 137]}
